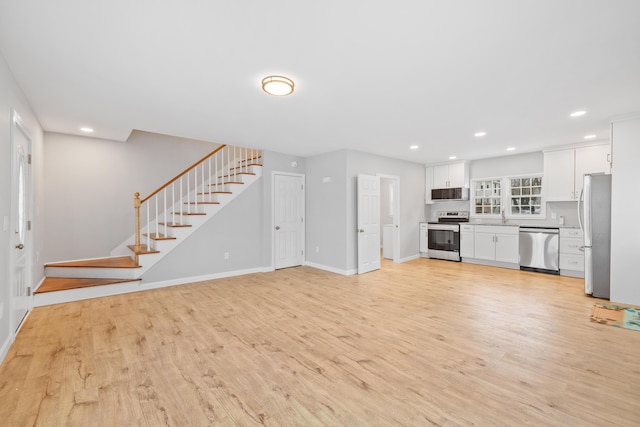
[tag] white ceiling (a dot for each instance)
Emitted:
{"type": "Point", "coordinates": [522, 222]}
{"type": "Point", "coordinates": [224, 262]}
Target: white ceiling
{"type": "Point", "coordinates": [373, 75]}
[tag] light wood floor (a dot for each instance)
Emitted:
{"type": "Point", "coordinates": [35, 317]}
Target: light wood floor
{"type": "Point", "coordinates": [422, 343]}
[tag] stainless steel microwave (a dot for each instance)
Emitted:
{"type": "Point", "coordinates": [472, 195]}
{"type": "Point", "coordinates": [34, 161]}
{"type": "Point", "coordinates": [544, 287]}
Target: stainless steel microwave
{"type": "Point", "coordinates": [457, 193]}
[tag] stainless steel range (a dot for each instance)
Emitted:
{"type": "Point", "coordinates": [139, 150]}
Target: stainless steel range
{"type": "Point", "coordinates": [444, 235]}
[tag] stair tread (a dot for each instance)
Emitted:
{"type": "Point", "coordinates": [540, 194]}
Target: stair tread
{"type": "Point", "coordinates": [202, 203]}
{"type": "Point", "coordinates": [143, 250]}
{"type": "Point", "coordinates": [159, 236]}
{"type": "Point", "coordinates": [113, 262]}
{"type": "Point", "coordinates": [250, 159]}
{"type": "Point", "coordinates": [228, 182]}
{"type": "Point", "coordinates": [175, 224]}
{"type": "Point", "coordinates": [214, 192]}
{"type": "Point", "coordinates": [235, 174]}
{"type": "Point", "coordinates": [52, 284]}
{"type": "Point", "coordinates": [188, 213]}
{"type": "Point", "coordinates": [243, 166]}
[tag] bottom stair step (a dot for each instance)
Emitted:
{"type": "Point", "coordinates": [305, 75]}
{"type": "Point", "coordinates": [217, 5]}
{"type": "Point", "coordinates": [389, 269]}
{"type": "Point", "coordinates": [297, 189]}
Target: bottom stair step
{"type": "Point", "coordinates": [53, 284]}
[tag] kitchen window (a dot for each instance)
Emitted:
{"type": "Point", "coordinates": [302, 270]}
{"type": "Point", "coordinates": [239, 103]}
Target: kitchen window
{"type": "Point", "coordinates": [487, 196]}
{"type": "Point", "coordinates": [525, 196]}
{"type": "Point", "coordinates": [519, 196]}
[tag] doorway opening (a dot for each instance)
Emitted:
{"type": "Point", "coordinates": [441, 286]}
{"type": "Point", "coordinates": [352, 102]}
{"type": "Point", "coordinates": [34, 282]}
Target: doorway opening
{"type": "Point", "coordinates": [390, 216]}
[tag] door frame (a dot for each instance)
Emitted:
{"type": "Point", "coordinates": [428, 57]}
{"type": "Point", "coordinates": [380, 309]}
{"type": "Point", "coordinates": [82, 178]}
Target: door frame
{"type": "Point", "coordinates": [396, 212]}
{"type": "Point", "coordinates": [17, 125]}
{"type": "Point", "coordinates": [273, 215]}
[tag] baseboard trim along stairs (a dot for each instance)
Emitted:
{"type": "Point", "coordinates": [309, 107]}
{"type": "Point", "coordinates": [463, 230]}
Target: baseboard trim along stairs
{"type": "Point", "coordinates": [122, 272]}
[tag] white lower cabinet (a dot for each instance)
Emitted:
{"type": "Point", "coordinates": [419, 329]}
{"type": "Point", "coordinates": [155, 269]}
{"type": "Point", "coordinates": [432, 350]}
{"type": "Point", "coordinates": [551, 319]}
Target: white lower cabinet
{"type": "Point", "coordinates": [466, 240]}
{"type": "Point", "coordinates": [571, 257]}
{"type": "Point", "coordinates": [497, 243]}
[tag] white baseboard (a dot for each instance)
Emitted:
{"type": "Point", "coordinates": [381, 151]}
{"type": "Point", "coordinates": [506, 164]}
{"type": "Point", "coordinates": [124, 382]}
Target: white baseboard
{"type": "Point", "coordinates": [5, 347]}
{"type": "Point", "coordinates": [409, 258]}
{"type": "Point", "coordinates": [330, 269]}
{"type": "Point", "coordinates": [492, 263]}
{"type": "Point", "coordinates": [193, 279]}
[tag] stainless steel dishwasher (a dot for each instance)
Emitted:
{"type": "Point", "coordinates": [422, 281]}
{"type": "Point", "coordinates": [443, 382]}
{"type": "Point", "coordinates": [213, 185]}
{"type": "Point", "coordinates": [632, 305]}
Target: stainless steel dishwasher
{"type": "Point", "coordinates": [539, 249]}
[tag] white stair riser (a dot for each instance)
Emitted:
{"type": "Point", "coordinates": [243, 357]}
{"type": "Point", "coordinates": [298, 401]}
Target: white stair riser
{"type": "Point", "coordinates": [220, 198]}
{"type": "Point", "coordinates": [97, 273]}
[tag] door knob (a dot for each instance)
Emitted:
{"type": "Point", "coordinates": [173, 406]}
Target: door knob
{"type": "Point", "coordinates": [360, 230]}
{"type": "Point", "coordinates": [277, 227]}
{"type": "Point", "coordinates": [20, 246]}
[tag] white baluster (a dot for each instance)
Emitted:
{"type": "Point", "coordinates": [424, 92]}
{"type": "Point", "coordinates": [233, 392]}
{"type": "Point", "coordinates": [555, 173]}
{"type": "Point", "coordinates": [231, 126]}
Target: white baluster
{"type": "Point", "coordinates": [195, 189]}
{"type": "Point", "coordinates": [209, 179]}
{"type": "Point", "coordinates": [156, 197]}
{"type": "Point", "coordinates": [235, 164]}
{"type": "Point", "coordinates": [165, 212]}
{"type": "Point", "coordinates": [148, 224]}
{"type": "Point", "coordinates": [180, 201]}
{"type": "Point", "coordinates": [188, 193]}
{"type": "Point", "coordinates": [173, 203]}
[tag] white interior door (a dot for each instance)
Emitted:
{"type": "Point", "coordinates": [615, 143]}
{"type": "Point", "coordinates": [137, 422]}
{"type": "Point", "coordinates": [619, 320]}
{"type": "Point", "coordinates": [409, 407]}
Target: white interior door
{"type": "Point", "coordinates": [368, 223]}
{"type": "Point", "coordinates": [288, 220]}
{"type": "Point", "coordinates": [20, 211]}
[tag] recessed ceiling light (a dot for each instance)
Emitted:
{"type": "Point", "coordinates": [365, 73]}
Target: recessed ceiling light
{"type": "Point", "coordinates": [590, 136]}
{"type": "Point", "coordinates": [452, 157]}
{"type": "Point", "coordinates": [414, 147]}
{"type": "Point", "coordinates": [87, 130]}
{"type": "Point", "coordinates": [511, 148]}
{"type": "Point", "coordinates": [578, 113]}
{"type": "Point", "coordinates": [479, 134]}
{"type": "Point", "coordinates": [277, 85]}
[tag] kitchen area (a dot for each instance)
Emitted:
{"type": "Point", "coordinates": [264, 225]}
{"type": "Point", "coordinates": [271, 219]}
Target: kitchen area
{"type": "Point", "coordinates": [547, 212]}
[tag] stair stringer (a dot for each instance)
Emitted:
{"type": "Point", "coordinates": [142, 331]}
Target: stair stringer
{"type": "Point", "coordinates": [146, 261]}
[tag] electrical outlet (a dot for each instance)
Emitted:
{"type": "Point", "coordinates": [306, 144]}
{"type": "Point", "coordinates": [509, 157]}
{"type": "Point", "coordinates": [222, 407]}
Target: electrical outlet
{"type": "Point", "coordinates": [226, 255]}
{"type": "Point", "coordinates": [317, 249]}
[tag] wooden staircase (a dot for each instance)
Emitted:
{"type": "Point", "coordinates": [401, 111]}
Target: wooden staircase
{"type": "Point", "coordinates": [163, 231]}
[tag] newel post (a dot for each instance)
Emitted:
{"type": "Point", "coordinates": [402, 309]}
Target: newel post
{"type": "Point", "coordinates": [136, 206]}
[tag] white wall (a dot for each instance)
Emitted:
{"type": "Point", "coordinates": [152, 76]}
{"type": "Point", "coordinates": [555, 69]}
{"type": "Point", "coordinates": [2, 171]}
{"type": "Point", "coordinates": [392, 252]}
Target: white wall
{"type": "Point", "coordinates": [625, 285]}
{"type": "Point", "coordinates": [90, 185]}
{"type": "Point", "coordinates": [326, 210]}
{"type": "Point", "coordinates": [236, 229]}
{"type": "Point", "coordinates": [11, 97]}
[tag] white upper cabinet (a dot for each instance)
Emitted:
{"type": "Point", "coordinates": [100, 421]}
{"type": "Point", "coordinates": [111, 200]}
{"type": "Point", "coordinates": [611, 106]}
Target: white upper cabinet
{"type": "Point", "coordinates": [591, 160]}
{"type": "Point", "coordinates": [441, 176]}
{"type": "Point", "coordinates": [446, 176]}
{"type": "Point", "coordinates": [564, 170]}
{"type": "Point", "coordinates": [450, 176]}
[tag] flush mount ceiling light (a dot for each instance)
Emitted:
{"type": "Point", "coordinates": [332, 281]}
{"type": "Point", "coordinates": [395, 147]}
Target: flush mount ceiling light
{"type": "Point", "coordinates": [511, 148]}
{"type": "Point", "coordinates": [452, 157]}
{"type": "Point", "coordinates": [578, 113]}
{"type": "Point", "coordinates": [413, 147]}
{"type": "Point", "coordinates": [277, 85]}
{"type": "Point", "coordinates": [479, 134]}
{"type": "Point", "coordinates": [86, 129]}
{"type": "Point", "coordinates": [590, 136]}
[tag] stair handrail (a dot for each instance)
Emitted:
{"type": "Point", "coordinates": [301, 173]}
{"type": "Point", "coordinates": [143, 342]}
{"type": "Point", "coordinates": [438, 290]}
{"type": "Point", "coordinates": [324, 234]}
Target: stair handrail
{"type": "Point", "coordinates": [137, 202]}
{"type": "Point", "coordinates": [183, 173]}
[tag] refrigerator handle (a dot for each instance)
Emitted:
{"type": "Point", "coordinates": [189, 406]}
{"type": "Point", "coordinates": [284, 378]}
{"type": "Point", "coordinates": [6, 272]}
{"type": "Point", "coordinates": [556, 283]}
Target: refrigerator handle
{"type": "Point", "coordinates": [581, 209]}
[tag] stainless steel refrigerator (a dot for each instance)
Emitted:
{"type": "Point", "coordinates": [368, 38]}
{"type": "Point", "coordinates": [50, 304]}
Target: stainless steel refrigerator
{"type": "Point", "coordinates": [594, 215]}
